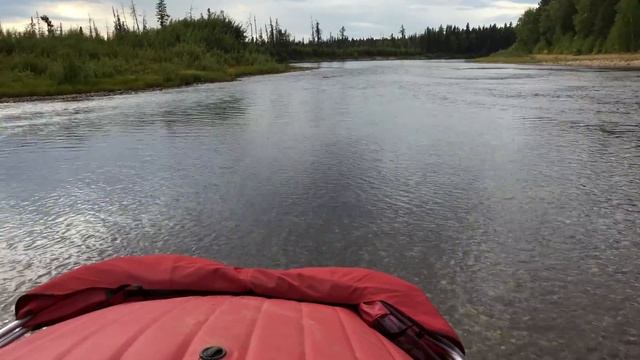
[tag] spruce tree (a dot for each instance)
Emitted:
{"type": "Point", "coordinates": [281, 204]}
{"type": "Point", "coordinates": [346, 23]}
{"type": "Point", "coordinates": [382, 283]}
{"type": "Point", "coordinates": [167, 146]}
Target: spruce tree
{"type": "Point", "coordinates": [318, 32]}
{"type": "Point", "coordinates": [605, 18]}
{"type": "Point", "coordinates": [528, 31]}
{"type": "Point", "coordinates": [342, 33]}
{"type": "Point", "coordinates": [161, 13]}
{"type": "Point", "coordinates": [585, 18]}
{"type": "Point", "coordinates": [625, 34]}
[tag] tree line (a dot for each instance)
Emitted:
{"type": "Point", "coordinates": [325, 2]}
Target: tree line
{"type": "Point", "coordinates": [273, 39]}
{"type": "Point", "coordinates": [580, 27]}
{"type": "Point", "coordinates": [444, 41]}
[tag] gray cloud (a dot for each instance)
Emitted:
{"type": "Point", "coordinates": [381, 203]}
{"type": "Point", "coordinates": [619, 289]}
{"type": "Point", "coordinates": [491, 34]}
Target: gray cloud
{"type": "Point", "coordinates": [361, 17]}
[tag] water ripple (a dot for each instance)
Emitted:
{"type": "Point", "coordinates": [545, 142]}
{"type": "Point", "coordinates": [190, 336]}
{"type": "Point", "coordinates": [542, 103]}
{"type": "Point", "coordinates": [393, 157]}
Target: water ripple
{"type": "Point", "coordinates": [509, 193]}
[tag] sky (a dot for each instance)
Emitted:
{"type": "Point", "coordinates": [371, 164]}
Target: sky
{"type": "Point", "coordinates": [359, 17]}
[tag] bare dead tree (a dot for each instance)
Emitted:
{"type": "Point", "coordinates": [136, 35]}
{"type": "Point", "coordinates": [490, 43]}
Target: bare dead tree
{"type": "Point", "coordinates": [124, 17]}
{"type": "Point", "coordinates": [145, 25]}
{"type": "Point", "coordinates": [134, 14]}
{"type": "Point", "coordinates": [255, 27]}
{"type": "Point", "coordinates": [40, 32]}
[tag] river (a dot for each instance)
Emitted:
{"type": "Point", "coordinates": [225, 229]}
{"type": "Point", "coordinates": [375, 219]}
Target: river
{"type": "Point", "coordinates": [510, 194]}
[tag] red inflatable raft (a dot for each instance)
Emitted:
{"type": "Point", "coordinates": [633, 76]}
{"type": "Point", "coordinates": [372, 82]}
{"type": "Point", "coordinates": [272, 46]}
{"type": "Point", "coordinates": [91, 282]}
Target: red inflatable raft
{"type": "Point", "coordinates": [176, 307]}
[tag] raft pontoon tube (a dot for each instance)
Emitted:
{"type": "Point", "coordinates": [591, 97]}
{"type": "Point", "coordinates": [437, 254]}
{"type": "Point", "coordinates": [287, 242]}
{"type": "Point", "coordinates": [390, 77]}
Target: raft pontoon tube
{"type": "Point", "coordinates": [177, 307]}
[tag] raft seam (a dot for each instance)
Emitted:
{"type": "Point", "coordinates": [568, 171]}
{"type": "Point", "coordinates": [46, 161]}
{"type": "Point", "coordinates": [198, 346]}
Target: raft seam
{"type": "Point", "coordinates": [164, 316]}
{"type": "Point", "coordinates": [192, 337]}
{"type": "Point", "coordinates": [127, 344]}
{"type": "Point", "coordinates": [253, 329]}
{"type": "Point", "coordinates": [84, 338]}
{"type": "Point", "coordinates": [304, 333]}
{"type": "Point", "coordinates": [344, 329]}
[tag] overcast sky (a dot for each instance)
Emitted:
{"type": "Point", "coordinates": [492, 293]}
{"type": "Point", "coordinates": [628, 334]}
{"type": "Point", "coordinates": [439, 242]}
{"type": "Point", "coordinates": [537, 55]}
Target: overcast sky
{"type": "Point", "coordinates": [360, 17]}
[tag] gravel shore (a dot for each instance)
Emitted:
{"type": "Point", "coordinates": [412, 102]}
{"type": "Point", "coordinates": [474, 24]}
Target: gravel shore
{"type": "Point", "coordinates": [629, 61]}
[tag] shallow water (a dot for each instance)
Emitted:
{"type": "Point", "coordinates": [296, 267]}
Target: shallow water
{"type": "Point", "coordinates": [511, 194]}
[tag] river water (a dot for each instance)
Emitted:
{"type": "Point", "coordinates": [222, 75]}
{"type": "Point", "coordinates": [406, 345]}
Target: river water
{"type": "Point", "coordinates": [510, 194]}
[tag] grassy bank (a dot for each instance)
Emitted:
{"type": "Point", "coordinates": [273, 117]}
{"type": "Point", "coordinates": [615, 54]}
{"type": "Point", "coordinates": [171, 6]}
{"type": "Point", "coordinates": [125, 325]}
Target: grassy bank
{"type": "Point", "coordinates": [144, 76]}
{"type": "Point", "coordinates": [630, 61]}
{"type": "Point", "coordinates": [183, 52]}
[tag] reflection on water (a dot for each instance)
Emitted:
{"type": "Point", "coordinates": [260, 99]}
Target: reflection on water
{"type": "Point", "coordinates": [509, 193]}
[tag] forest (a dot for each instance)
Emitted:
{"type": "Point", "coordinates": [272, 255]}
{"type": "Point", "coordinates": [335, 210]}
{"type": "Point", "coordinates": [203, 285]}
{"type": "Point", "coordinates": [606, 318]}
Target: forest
{"type": "Point", "coordinates": [580, 27]}
{"type": "Point", "coordinates": [47, 58]}
{"type": "Point", "coordinates": [442, 42]}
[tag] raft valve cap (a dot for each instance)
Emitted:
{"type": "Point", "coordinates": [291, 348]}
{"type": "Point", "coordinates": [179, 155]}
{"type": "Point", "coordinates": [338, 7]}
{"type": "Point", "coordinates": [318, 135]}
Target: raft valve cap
{"type": "Point", "coordinates": [213, 353]}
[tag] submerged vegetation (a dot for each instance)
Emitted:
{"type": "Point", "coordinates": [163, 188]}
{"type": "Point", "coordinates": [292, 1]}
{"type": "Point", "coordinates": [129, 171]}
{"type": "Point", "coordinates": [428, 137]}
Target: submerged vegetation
{"type": "Point", "coordinates": [46, 59]}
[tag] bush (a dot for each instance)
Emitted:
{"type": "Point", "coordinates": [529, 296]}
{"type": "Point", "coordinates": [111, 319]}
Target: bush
{"type": "Point", "coordinates": [183, 52]}
{"type": "Point", "coordinates": [36, 66]}
{"type": "Point", "coordinates": [74, 71]}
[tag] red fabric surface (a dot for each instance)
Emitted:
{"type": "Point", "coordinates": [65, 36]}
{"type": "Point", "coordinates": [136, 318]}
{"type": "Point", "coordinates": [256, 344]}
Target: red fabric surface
{"type": "Point", "coordinates": [83, 290]}
{"type": "Point", "coordinates": [247, 327]}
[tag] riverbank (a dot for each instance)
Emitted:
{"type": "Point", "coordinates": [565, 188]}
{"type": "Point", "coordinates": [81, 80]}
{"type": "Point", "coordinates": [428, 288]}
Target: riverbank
{"type": "Point", "coordinates": [29, 87]}
{"type": "Point", "coordinates": [233, 75]}
{"type": "Point", "coordinates": [40, 89]}
{"type": "Point", "coordinates": [629, 61]}
{"type": "Point", "coordinates": [184, 52]}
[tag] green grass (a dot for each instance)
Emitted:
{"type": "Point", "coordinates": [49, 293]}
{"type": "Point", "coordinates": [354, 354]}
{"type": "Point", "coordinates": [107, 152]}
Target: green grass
{"type": "Point", "coordinates": [24, 84]}
{"type": "Point", "coordinates": [183, 53]}
{"type": "Point", "coordinates": [17, 80]}
{"type": "Point", "coordinates": [258, 69]}
{"type": "Point", "coordinates": [509, 56]}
